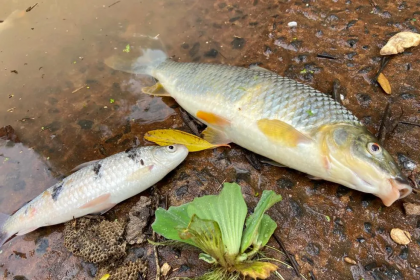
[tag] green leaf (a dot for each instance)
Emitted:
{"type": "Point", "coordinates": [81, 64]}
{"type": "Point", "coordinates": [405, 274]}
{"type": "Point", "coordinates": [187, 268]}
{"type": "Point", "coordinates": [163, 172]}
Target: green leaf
{"type": "Point", "coordinates": [168, 222]}
{"type": "Point", "coordinates": [266, 230]}
{"type": "Point", "coordinates": [252, 224]}
{"type": "Point", "coordinates": [228, 209]}
{"type": "Point", "coordinates": [206, 235]}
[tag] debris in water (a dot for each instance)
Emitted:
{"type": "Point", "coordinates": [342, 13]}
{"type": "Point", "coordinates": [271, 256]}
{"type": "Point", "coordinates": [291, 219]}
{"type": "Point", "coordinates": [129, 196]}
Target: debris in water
{"type": "Point", "coordinates": [400, 236]}
{"type": "Point", "coordinates": [411, 208]}
{"type": "Point", "coordinates": [139, 218]}
{"type": "Point", "coordinates": [399, 42]}
{"type": "Point", "coordinates": [383, 81]}
{"type": "Point", "coordinates": [350, 261]}
{"type": "Point", "coordinates": [165, 269]}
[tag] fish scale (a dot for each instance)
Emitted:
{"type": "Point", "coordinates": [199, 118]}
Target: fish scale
{"type": "Point", "coordinates": [296, 104]}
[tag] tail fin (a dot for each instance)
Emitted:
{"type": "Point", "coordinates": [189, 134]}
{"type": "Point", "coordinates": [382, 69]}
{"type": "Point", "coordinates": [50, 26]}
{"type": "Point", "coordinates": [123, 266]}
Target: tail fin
{"type": "Point", "coordinates": [145, 64]}
{"type": "Point", "coordinates": [4, 235]}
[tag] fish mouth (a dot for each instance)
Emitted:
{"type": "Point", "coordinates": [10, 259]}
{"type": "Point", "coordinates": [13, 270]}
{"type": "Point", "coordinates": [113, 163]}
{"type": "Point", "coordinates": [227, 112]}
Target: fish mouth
{"type": "Point", "coordinates": [400, 188]}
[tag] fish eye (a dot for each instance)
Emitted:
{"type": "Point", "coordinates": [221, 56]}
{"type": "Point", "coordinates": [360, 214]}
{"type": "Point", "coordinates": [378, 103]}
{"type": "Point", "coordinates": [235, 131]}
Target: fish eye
{"type": "Point", "coordinates": [374, 149]}
{"type": "Point", "coordinates": [171, 148]}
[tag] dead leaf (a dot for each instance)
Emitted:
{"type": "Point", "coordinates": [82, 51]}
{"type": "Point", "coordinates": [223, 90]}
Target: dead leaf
{"type": "Point", "coordinates": [399, 42]}
{"type": "Point", "coordinates": [411, 208]}
{"type": "Point", "coordinates": [400, 236]}
{"type": "Point", "coordinates": [255, 270]}
{"type": "Point", "coordinates": [165, 269]}
{"type": "Point", "coordinates": [383, 81]}
{"type": "Point", "coordinates": [164, 137]}
{"type": "Point", "coordinates": [105, 277]}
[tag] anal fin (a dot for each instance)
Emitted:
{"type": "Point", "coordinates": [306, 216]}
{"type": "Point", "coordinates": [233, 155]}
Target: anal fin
{"type": "Point", "coordinates": [215, 136]}
{"type": "Point", "coordinates": [25, 231]}
{"type": "Point", "coordinates": [155, 90]}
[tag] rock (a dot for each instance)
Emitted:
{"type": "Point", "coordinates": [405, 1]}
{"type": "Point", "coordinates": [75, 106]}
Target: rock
{"type": "Point", "coordinates": [400, 236]}
{"type": "Point", "coordinates": [85, 124]}
{"type": "Point", "coordinates": [139, 217]}
{"type": "Point", "coordinates": [406, 162]}
{"type": "Point", "coordinates": [165, 269]}
{"type": "Point", "coordinates": [8, 133]}
{"type": "Point", "coordinates": [211, 53]}
{"type": "Point", "coordinates": [411, 208]}
{"type": "Point", "coordinates": [238, 43]}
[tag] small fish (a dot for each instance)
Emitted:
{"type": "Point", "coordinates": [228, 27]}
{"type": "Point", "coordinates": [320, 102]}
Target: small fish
{"type": "Point", "coordinates": [95, 188]}
{"type": "Point", "coordinates": [279, 118]}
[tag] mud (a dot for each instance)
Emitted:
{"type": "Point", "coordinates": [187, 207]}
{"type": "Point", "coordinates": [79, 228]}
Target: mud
{"type": "Point", "coordinates": [67, 107]}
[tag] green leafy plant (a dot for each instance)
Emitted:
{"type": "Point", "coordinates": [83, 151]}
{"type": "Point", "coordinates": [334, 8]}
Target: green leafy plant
{"type": "Point", "coordinates": [215, 224]}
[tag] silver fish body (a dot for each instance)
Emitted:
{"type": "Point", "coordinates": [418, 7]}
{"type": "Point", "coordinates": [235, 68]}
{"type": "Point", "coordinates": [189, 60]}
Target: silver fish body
{"type": "Point", "coordinates": [279, 118]}
{"type": "Point", "coordinates": [95, 188]}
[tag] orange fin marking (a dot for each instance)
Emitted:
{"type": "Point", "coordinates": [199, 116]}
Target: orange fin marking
{"type": "Point", "coordinates": [103, 199]}
{"type": "Point", "coordinates": [213, 119]}
{"type": "Point", "coordinates": [282, 132]}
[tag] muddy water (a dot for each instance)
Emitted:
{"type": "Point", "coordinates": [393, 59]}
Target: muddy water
{"type": "Point", "coordinates": [67, 107]}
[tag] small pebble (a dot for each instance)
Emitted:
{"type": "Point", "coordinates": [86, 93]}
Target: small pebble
{"type": "Point", "coordinates": [411, 208]}
{"type": "Point", "coordinates": [292, 24]}
{"type": "Point", "coordinates": [400, 236]}
{"type": "Point", "coordinates": [350, 261]}
{"type": "Point", "coordinates": [165, 269]}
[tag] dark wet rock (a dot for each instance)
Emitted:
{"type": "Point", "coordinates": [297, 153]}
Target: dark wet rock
{"type": "Point", "coordinates": [366, 120]}
{"type": "Point", "coordinates": [407, 96]}
{"type": "Point", "coordinates": [41, 245]}
{"type": "Point", "coordinates": [313, 249]}
{"type": "Point", "coordinates": [19, 277]}
{"type": "Point", "coordinates": [238, 43]}
{"type": "Point", "coordinates": [211, 53]}
{"type": "Point", "coordinates": [194, 50]}
{"type": "Point", "coordinates": [297, 210]}
{"type": "Point", "coordinates": [389, 250]}
{"type": "Point", "coordinates": [308, 260]}
{"type": "Point", "coordinates": [406, 162]}
{"type": "Point", "coordinates": [254, 23]}
{"type": "Point", "coordinates": [339, 229]}
{"type": "Point", "coordinates": [365, 70]}
{"type": "Point", "coordinates": [267, 51]}
{"type": "Point", "coordinates": [349, 209]}
{"type": "Point", "coordinates": [351, 23]}
{"type": "Point", "coordinates": [139, 217]}
{"type": "Point", "coordinates": [418, 223]}
{"type": "Point", "coordinates": [342, 191]}
{"type": "Point", "coordinates": [367, 199]}
{"type": "Point", "coordinates": [352, 42]}
{"type": "Point", "coordinates": [184, 268]}
{"type": "Point", "coordinates": [365, 47]}
{"type": "Point", "coordinates": [114, 139]}
{"type": "Point", "coordinates": [380, 230]}
{"type": "Point", "coordinates": [85, 124]}
{"type": "Point", "coordinates": [234, 19]}
{"type": "Point", "coordinates": [361, 239]}
{"type": "Point", "coordinates": [371, 266]}
{"type": "Point", "coordinates": [285, 183]}
{"type": "Point", "coordinates": [8, 133]}
{"type": "Point", "coordinates": [404, 253]}
{"type": "Point", "coordinates": [90, 268]}
{"type": "Point", "coordinates": [363, 99]}
{"type": "Point", "coordinates": [135, 253]}
{"type": "Point", "coordinates": [332, 18]}
{"type": "Point", "coordinates": [301, 58]}
{"type": "Point", "coordinates": [296, 45]}
{"type": "Point", "coordinates": [367, 227]}
{"type": "Point", "coordinates": [242, 174]}
{"type": "Point", "coordinates": [19, 185]}
{"type": "Point", "coordinates": [181, 191]}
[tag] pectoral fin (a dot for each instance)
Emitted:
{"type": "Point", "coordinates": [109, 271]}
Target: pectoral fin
{"type": "Point", "coordinates": [215, 136]}
{"type": "Point", "coordinates": [212, 119]}
{"type": "Point", "coordinates": [282, 133]}
{"type": "Point", "coordinates": [99, 204]}
{"type": "Point", "coordinates": [155, 90]}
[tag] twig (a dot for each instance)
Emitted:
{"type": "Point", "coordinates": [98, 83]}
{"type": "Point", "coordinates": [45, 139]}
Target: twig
{"type": "Point", "coordinates": [383, 127]}
{"type": "Point", "coordinates": [30, 8]}
{"type": "Point", "coordinates": [189, 122]}
{"type": "Point", "coordinates": [325, 55]}
{"type": "Point", "coordinates": [253, 160]}
{"type": "Point", "coordinates": [113, 4]}
{"type": "Point", "coordinates": [384, 62]}
{"type": "Point", "coordinates": [291, 259]}
{"type": "Point", "coordinates": [156, 257]}
{"type": "Point", "coordinates": [312, 275]}
{"type": "Point", "coordinates": [336, 93]}
{"type": "Point", "coordinates": [410, 123]}
{"type": "Point", "coordinates": [77, 89]}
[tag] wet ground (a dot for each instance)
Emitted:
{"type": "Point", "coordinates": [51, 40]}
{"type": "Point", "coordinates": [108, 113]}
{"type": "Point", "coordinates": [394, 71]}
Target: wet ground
{"type": "Point", "coordinates": [67, 107]}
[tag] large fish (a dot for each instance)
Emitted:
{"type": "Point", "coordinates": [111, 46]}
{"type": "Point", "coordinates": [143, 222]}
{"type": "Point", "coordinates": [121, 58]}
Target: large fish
{"type": "Point", "coordinates": [279, 118]}
{"type": "Point", "coordinates": [95, 188]}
